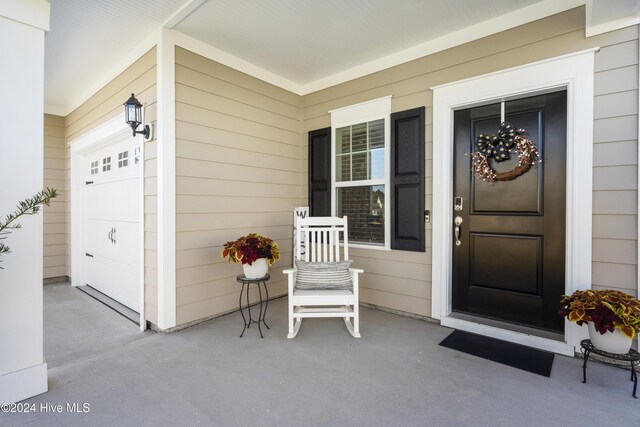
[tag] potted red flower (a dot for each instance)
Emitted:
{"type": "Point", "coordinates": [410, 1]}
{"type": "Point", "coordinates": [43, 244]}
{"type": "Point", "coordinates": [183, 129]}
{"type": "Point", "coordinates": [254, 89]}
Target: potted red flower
{"type": "Point", "coordinates": [255, 252]}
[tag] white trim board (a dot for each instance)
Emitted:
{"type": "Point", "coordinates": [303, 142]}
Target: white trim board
{"type": "Point", "coordinates": [143, 261]}
{"type": "Point", "coordinates": [573, 72]}
{"type": "Point", "coordinates": [35, 13]}
{"type": "Point", "coordinates": [591, 30]}
{"type": "Point", "coordinates": [23, 384]}
{"type": "Point", "coordinates": [507, 335]}
{"type": "Point", "coordinates": [166, 149]}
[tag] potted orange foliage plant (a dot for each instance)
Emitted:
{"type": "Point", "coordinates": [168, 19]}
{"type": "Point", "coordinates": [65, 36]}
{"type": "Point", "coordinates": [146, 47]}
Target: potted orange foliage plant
{"type": "Point", "coordinates": [613, 317]}
{"type": "Point", "coordinates": [255, 252]}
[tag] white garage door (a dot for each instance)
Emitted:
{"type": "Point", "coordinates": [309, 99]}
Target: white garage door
{"type": "Point", "coordinates": [112, 222]}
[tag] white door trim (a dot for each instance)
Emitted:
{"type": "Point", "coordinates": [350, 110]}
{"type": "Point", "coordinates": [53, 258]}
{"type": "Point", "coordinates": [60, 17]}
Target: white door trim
{"type": "Point", "coordinates": [113, 130]}
{"type": "Point", "coordinates": [573, 72]}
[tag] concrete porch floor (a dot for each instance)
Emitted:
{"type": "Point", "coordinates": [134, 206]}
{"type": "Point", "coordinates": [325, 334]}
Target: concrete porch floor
{"type": "Point", "coordinates": [395, 375]}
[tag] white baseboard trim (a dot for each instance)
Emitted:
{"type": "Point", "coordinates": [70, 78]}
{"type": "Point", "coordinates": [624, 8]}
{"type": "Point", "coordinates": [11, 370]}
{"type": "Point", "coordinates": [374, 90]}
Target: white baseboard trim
{"type": "Point", "coordinates": [511, 336]}
{"type": "Point", "coordinates": [23, 384]}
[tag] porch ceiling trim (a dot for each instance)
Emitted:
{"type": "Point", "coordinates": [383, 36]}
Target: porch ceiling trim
{"type": "Point", "coordinates": [483, 29]}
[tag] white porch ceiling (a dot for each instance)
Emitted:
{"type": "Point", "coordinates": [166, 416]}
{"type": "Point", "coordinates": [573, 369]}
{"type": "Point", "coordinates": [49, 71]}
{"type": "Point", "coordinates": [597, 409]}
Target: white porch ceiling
{"type": "Point", "coordinates": [306, 40]}
{"type": "Point", "coordinates": [302, 41]}
{"type": "Point", "coordinates": [603, 11]}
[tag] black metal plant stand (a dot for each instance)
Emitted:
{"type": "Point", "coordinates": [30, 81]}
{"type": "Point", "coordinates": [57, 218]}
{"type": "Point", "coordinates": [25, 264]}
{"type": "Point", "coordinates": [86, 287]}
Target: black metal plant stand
{"type": "Point", "coordinates": [633, 357]}
{"type": "Point", "coordinates": [245, 285]}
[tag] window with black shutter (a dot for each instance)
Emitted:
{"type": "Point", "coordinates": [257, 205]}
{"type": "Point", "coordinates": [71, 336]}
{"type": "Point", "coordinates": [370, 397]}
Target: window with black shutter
{"type": "Point", "coordinates": [377, 178]}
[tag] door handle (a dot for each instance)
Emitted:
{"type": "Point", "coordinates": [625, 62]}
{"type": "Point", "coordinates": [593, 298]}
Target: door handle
{"type": "Point", "coordinates": [112, 235]}
{"type": "Point", "coordinates": [457, 221]}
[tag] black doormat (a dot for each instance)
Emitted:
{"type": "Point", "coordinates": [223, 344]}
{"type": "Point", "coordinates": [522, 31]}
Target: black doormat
{"type": "Point", "coordinates": [515, 355]}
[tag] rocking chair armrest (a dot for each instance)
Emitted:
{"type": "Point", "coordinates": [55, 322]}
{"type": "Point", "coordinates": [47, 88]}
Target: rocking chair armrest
{"type": "Point", "coordinates": [356, 270]}
{"type": "Point", "coordinates": [291, 278]}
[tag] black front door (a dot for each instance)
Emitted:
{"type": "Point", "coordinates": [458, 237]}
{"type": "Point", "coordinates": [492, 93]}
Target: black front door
{"type": "Point", "coordinates": [510, 262]}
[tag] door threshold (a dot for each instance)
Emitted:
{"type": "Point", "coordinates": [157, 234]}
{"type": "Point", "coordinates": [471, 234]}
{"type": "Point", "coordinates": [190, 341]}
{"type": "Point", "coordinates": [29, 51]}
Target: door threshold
{"type": "Point", "coordinates": [552, 342]}
{"type": "Point", "coordinates": [527, 330]}
{"type": "Point", "coordinates": [119, 308]}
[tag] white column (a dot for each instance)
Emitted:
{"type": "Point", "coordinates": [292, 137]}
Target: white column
{"type": "Point", "coordinates": [23, 372]}
{"type": "Point", "coordinates": [166, 137]}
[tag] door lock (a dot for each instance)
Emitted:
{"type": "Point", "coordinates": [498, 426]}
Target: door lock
{"type": "Point", "coordinates": [457, 204]}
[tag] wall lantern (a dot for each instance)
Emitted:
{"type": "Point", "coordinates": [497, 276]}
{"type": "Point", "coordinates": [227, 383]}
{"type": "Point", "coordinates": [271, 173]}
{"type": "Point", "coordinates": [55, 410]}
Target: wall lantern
{"type": "Point", "coordinates": [133, 116]}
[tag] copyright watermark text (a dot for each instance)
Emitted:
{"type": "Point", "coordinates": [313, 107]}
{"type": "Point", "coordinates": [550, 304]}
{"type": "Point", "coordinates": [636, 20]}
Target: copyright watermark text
{"type": "Point", "coordinates": [52, 408]}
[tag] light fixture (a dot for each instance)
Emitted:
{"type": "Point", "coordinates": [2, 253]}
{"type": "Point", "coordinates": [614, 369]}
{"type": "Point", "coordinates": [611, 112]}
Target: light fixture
{"type": "Point", "coordinates": [133, 116]}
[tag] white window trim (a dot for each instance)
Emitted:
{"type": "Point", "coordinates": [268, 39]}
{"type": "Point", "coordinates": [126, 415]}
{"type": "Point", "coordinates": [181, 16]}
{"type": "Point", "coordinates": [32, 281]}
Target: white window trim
{"type": "Point", "coordinates": [573, 72]}
{"type": "Point", "coordinates": [363, 112]}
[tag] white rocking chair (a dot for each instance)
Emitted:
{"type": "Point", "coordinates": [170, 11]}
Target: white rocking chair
{"type": "Point", "coordinates": [318, 241]}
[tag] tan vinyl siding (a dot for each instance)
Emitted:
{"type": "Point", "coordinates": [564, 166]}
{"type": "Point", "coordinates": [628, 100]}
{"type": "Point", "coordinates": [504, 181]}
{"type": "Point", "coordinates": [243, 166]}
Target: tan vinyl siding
{"type": "Point", "coordinates": [402, 280]}
{"type": "Point", "coordinates": [139, 78]}
{"type": "Point", "coordinates": [615, 173]}
{"type": "Point", "coordinates": [237, 171]}
{"type": "Point", "coordinates": [55, 228]}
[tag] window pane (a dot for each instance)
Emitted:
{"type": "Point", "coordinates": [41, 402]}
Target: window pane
{"type": "Point", "coordinates": [360, 151]}
{"type": "Point", "coordinates": [376, 165]}
{"type": "Point", "coordinates": [376, 134]}
{"type": "Point", "coordinates": [359, 137]}
{"type": "Point", "coordinates": [364, 207]}
{"type": "Point", "coordinates": [359, 166]}
{"type": "Point", "coordinates": [343, 168]}
{"type": "Point", "coordinates": [343, 136]}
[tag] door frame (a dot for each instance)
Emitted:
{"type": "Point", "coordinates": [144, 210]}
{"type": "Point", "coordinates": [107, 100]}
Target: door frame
{"type": "Point", "coordinates": [109, 132]}
{"type": "Point", "coordinates": [573, 72]}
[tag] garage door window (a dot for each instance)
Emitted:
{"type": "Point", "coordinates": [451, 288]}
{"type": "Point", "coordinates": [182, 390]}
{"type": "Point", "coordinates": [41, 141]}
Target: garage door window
{"type": "Point", "coordinates": [123, 159]}
{"type": "Point", "coordinates": [94, 168]}
{"type": "Point", "coordinates": [106, 164]}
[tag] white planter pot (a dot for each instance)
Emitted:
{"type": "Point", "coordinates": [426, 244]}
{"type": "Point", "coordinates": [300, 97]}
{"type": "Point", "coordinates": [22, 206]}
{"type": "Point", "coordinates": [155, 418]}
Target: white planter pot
{"type": "Point", "coordinates": [259, 268]}
{"type": "Point", "coordinates": [616, 342]}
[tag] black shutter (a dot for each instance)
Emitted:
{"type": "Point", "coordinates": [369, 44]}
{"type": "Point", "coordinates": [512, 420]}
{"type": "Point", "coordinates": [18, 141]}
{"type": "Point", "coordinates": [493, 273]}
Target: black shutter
{"type": "Point", "coordinates": [320, 172]}
{"type": "Point", "coordinates": [407, 180]}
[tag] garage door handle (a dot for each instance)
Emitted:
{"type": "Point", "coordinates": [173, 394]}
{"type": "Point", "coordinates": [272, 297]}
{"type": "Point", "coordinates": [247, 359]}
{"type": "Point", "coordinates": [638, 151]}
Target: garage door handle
{"type": "Point", "coordinates": [111, 235]}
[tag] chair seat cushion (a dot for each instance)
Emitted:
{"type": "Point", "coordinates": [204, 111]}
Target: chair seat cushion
{"type": "Point", "coordinates": [323, 275]}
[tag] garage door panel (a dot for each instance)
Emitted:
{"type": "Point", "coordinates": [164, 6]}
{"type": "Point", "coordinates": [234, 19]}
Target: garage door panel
{"type": "Point", "coordinates": [112, 227]}
{"type": "Point", "coordinates": [97, 237]}
{"type": "Point", "coordinates": [127, 237]}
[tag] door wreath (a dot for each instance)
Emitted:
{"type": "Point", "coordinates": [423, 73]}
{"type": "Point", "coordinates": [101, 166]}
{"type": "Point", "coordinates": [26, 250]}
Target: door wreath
{"type": "Point", "coordinates": [498, 147]}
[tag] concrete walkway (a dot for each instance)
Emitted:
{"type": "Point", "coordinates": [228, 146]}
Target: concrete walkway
{"type": "Point", "coordinates": [396, 375]}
